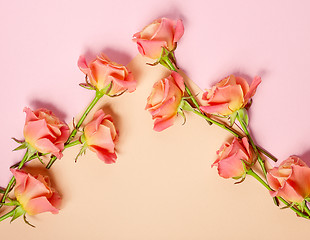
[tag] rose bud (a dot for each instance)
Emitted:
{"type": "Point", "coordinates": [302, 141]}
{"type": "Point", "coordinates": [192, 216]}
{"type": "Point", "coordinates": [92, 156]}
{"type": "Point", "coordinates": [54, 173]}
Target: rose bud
{"type": "Point", "coordinates": [101, 72]}
{"type": "Point", "coordinates": [234, 159]}
{"type": "Point", "coordinates": [290, 180]}
{"type": "Point", "coordinates": [164, 101]}
{"type": "Point", "coordinates": [100, 136]}
{"type": "Point", "coordinates": [44, 132]}
{"type": "Point", "coordinates": [229, 95]}
{"type": "Point", "coordinates": [35, 194]}
{"type": "Point", "coordinates": [161, 33]}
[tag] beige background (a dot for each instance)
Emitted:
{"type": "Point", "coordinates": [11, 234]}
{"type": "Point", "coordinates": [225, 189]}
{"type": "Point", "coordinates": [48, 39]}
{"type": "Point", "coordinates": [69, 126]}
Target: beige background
{"type": "Point", "coordinates": [161, 188]}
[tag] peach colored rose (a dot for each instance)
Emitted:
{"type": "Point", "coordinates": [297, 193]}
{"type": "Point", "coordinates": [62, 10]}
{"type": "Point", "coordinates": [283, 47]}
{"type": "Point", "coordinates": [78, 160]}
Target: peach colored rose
{"type": "Point", "coordinates": [230, 156]}
{"type": "Point", "coordinates": [101, 72]}
{"type": "Point", "coordinates": [35, 194]}
{"type": "Point", "coordinates": [44, 132]}
{"type": "Point", "coordinates": [291, 180]}
{"type": "Point", "coordinates": [161, 33]}
{"type": "Point", "coordinates": [229, 95]}
{"type": "Point", "coordinates": [165, 99]}
{"type": "Point", "coordinates": [100, 136]}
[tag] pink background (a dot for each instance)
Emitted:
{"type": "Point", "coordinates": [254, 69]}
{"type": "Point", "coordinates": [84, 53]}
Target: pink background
{"type": "Point", "coordinates": [42, 40]}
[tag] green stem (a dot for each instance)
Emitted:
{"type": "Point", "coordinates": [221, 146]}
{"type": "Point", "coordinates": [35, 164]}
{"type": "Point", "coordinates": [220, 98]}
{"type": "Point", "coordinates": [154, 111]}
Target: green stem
{"type": "Point", "coordinates": [88, 109]}
{"type": "Point", "coordinates": [258, 178]}
{"type": "Point", "coordinates": [11, 183]}
{"type": "Point", "coordinates": [171, 66]}
{"type": "Point", "coordinates": [259, 159]}
{"type": "Point", "coordinates": [74, 131]}
{"type": "Point", "coordinates": [28, 160]}
{"type": "Point", "coordinates": [307, 209]}
{"type": "Point", "coordinates": [188, 91]}
{"type": "Point", "coordinates": [267, 154]}
{"type": "Point", "coordinates": [7, 215]}
{"type": "Point", "coordinates": [77, 142]}
{"type": "Point", "coordinates": [43, 154]}
{"type": "Point", "coordinates": [216, 123]}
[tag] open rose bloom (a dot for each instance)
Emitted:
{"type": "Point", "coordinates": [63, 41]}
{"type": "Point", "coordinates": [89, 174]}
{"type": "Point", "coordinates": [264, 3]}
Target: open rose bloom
{"type": "Point", "coordinates": [291, 180]}
{"type": "Point", "coordinates": [35, 194]}
{"type": "Point", "coordinates": [100, 136]}
{"type": "Point", "coordinates": [101, 72]}
{"type": "Point", "coordinates": [161, 33]}
{"type": "Point", "coordinates": [164, 101]}
{"type": "Point", "coordinates": [229, 95]}
{"type": "Point", "coordinates": [231, 157]}
{"type": "Point", "coordinates": [45, 132]}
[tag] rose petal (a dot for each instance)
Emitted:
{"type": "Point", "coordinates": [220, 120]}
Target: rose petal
{"type": "Point", "coordinates": [256, 81]}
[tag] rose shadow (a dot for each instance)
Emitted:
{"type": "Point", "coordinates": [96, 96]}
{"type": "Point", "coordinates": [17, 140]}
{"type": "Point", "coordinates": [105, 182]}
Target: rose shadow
{"type": "Point", "coordinates": [114, 55]}
{"type": "Point", "coordinates": [306, 157]}
{"type": "Point", "coordinates": [36, 104]}
{"type": "Point", "coordinates": [173, 12]}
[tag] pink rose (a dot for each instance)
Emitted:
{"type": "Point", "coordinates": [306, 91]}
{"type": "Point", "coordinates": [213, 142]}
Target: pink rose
{"type": "Point", "coordinates": [101, 72]}
{"type": "Point", "coordinates": [165, 99]}
{"type": "Point", "coordinates": [161, 33]}
{"type": "Point", "coordinates": [291, 180]}
{"type": "Point", "coordinates": [44, 132]}
{"type": "Point", "coordinates": [35, 194]}
{"type": "Point", "coordinates": [229, 95]}
{"type": "Point", "coordinates": [100, 136]}
{"type": "Point", "coordinates": [231, 157]}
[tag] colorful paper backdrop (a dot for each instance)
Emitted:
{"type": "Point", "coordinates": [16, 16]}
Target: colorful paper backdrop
{"type": "Point", "coordinates": [42, 40]}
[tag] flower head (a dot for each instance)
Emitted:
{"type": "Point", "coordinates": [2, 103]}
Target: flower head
{"type": "Point", "coordinates": [164, 101]}
{"type": "Point", "coordinates": [229, 95]}
{"type": "Point", "coordinates": [35, 194]}
{"type": "Point", "coordinates": [100, 136]}
{"type": "Point", "coordinates": [163, 32]}
{"type": "Point", "coordinates": [101, 72]}
{"type": "Point", "coordinates": [234, 158]}
{"type": "Point", "coordinates": [290, 180]}
{"type": "Point", "coordinates": [44, 132]}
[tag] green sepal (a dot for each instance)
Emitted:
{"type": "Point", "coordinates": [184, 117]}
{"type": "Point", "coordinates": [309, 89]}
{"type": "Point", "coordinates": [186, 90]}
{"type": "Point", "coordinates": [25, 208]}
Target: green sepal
{"type": "Point", "coordinates": [81, 152]}
{"type": "Point", "coordinates": [40, 159]}
{"type": "Point", "coordinates": [232, 118]}
{"type": "Point", "coordinates": [26, 221]}
{"type": "Point", "coordinates": [106, 89]}
{"type": "Point", "coordinates": [153, 64]}
{"type": "Point", "coordinates": [31, 151]}
{"type": "Point", "coordinates": [243, 116]}
{"type": "Point", "coordinates": [86, 86]}
{"type": "Point", "coordinates": [184, 105]}
{"type": "Point", "coordinates": [82, 139]}
{"type": "Point", "coordinates": [287, 206]}
{"type": "Point", "coordinates": [18, 141]}
{"type": "Point", "coordinates": [307, 199]}
{"type": "Point", "coordinates": [22, 146]}
{"type": "Point", "coordinates": [166, 58]}
{"type": "Point", "coordinates": [301, 205]}
{"type": "Point", "coordinates": [19, 211]}
{"type": "Point", "coordinates": [180, 111]}
{"type": "Point", "coordinates": [118, 94]}
{"type": "Point", "coordinates": [12, 203]}
{"type": "Point", "coordinates": [242, 179]}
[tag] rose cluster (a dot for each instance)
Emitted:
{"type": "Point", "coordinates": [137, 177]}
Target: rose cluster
{"type": "Point", "coordinates": [225, 104]}
{"type": "Point", "coordinates": [46, 134]}
{"type": "Point", "coordinates": [229, 99]}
